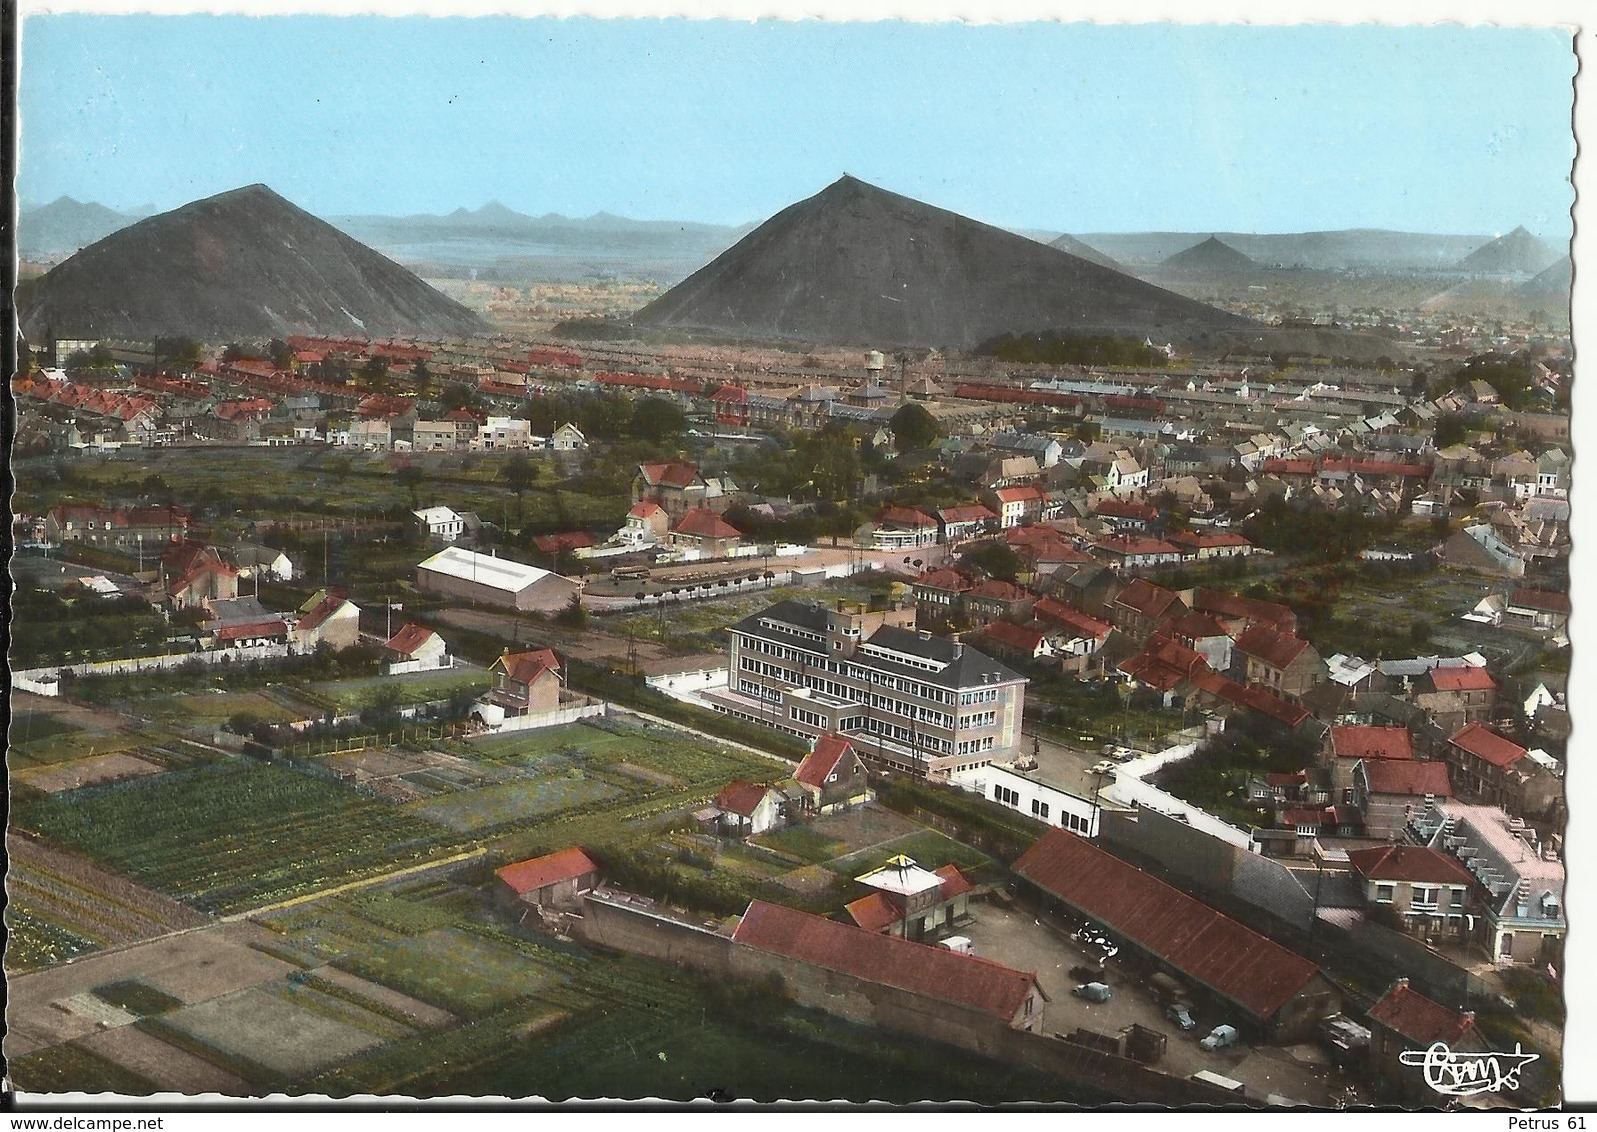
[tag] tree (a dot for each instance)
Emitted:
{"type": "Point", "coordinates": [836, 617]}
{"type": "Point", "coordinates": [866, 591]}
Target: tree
{"type": "Point", "coordinates": [411, 477]}
{"type": "Point", "coordinates": [914, 428]}
{"type": "Point", "coordinates": [422, 377]}
{"type": "Point", "coordinates": [658, 420]}
{"type": "Point", "coordinates": [374, 373]}
{"type": "Point", "coordinates": [519, 474]}
{"type": "Point", "coordinates": [996, 560]}
{"type": "Point", "coordinates": [281, 353]}
{"type": "Point", "coordinates": [1450, 429]}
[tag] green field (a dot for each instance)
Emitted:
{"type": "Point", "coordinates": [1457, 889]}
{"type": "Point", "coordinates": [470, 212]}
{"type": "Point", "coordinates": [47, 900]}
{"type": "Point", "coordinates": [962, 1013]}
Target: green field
{"type": "Point", "coordinates": [491, 807]}
{"type": "Point", "coordinates": [231, 835]}
{"type": "Point", "coordinates": [417, 688]}
{"type": "Point", "coordinates": [454, 969]}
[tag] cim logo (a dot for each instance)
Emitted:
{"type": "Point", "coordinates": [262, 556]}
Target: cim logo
{"type": "Point", "coordinates": [1468, 1074]}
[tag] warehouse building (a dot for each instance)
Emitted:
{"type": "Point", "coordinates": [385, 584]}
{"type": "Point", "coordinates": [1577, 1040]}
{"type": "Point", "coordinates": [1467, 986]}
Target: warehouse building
{"type": "Point", "coordinates": [1274, 992]}
{"type": "Point", "coordinates": [485, 580]}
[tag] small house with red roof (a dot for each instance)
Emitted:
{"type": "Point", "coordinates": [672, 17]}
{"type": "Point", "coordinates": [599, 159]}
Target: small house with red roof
{"type": "Point", "coordinates": [1075, 637]}
{"type": "Point", "coordinates": [327, 618]}
{"type": "Point", "coordinates": [193, 574]}
{"type": "Point", "coordinates": [909, 901]}
{"type": "Point", "coordinates": [1404, 1021]}
{"type": "Point", "coordinates": [1016, 506]}
{"type": "Point", "coordinates": [1391, 792]}
{"type": "Point", "coordinates": [965, 521]}
{"type": "Point", "coordinates": [833, 776]}
{"type": "Point", "coordinates": [1427, 888]}
{"type": "Point", "coordinates": [744, 809]}
{"type": "Point", "coordinates": [1453, 695]}
{"type": "Point", "coordinates": [524, 684]}
{"type": "Point", "coordinates": [415, 648]}
{"type": "Point", "coordinates": [705, 533]}
{"type": "Point", "coordinates": [556, 880]}
{"type": "Point", "coordinates": [1013, 641]}
{"type": "Point", "coordinates": [647, 525]}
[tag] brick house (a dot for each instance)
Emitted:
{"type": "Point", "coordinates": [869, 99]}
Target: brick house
{"type": "Point", "coordinates": [1348, 744]}
{"type": "Point", "coordinates": [995, 600]}
{"type": "Point", "coordinates": [1455, 695]}
{"type": "Point", "coordinates": [524, 683]}
{"type": "Point", "coordinates": [1404, 1020]}
{"type": "Point", "coordinates": [1143, 606]}
{"type": "Point", "coordinates": [679, 488]}
{"type": "Point", "coordinates": [1494, 770]}
{"type": "Point", "coordinates": [1389, 792]}
{"type": "Point", "coordinates": [1426, 888]}
{"type": "Point", "coordinates": [833, 776]}
{"type": "Point", "coordinates": [1281, 662]}
{"type": "Point", "coordinates": [701, 529]}
{"type": "Point", "coordinates": [193, 574]}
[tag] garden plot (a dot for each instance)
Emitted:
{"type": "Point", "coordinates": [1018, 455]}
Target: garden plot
{"type": "Point", "coordinates": [492, 807]}
{"type": "Point", "coordinates": [56, 777]}
{"type": "Point", "coordinates": [168, 1068]}
{"type": "Point", "coordinates": [62, 905]}
{"type": "Point", "coordinates": [69, 746]}
{"type": "Point", "coordinates": [286, 1036]}
{"type": "Point", "coordinates": [233, 835]}
{"type": "Point", "coordinates": [455, 970]}
{"type": "Point", "coordinates": [408, 776]}
{"type": "Point", "coordinates": [411, 688]}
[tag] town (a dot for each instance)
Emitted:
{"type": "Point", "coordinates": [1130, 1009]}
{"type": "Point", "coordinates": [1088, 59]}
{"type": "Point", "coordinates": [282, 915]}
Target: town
{"type": "Point", "coordinates": [984, 639]}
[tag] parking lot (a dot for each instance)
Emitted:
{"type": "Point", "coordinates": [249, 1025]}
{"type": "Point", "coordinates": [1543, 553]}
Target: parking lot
{"type": "Point", "coordinates": [1016, 938]}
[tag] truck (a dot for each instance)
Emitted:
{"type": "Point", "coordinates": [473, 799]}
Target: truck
{"type": "Point", "coordinates": [958, 944]}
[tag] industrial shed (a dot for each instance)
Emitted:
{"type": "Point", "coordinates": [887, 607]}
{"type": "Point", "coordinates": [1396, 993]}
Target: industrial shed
{"type": "Point", "coordinates": [1277, 992]}
{"type": "Point", "coordinates": [486, 580]}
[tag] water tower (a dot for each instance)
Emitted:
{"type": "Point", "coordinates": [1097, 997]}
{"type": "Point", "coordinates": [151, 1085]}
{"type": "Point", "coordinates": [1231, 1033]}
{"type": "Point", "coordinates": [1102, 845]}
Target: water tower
{"type": "Point", "coordinates": [875, 363]}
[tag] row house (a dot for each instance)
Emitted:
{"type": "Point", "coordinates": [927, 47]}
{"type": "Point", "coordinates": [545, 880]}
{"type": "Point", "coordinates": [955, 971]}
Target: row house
{"type": "Point", "coordinates": [1388, 793]}
{"type": "Point", "coordinates": [1046, 450]}
{"type": "Point", "coordinates": [1453, 696]}
{"type": "Point", "coordinates": [1017, 506]}
{"type": "Point", "coordinates": [1126, 515]}
{"type": "Point", "coordinates": [939, 594]}
{"type": "Point", "coordinates": [1494, 770]}
{"type": "Point", "coordinates": [1237, 613]}
{"type": "Point", "coordinates": [126, 529]}
{"type": "Point", "coordinates": [996, 600]}
{"type": "Point", "coordinates": [1130, 552]}
{"type": "Point", "coordinates": [1286, 664]}
{"type": "Point", "coordinates": [1015, 641]}
{"type": "Point", "coordinates": [1349, 744]}
{"type": "Point", "coordinates": [1202, 546]}
{"type": "Point", "coordinates": [1141, 607]}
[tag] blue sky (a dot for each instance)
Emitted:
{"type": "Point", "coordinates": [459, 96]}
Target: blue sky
{"type": "Point", "coordinates": [1063, 127]}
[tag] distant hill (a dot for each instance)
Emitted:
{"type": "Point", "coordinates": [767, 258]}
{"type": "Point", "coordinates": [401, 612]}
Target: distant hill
{"type": "Point", "coordinates": [1350, 249]}
{"type": "Point", "coordinates": [1212, 257]}
{"type": "Point", "coordinates": [1553, 284]}
{"type": "Point", "coordinates": [856, 264]}
{"type": "Point", "coordinates": [65, 225]}
{"type": "Point", "coordinates": [1517, 253]}
{"type": "Point", "coordinates": [242, 264]}
{"type": "Point", "coordinates": [1083, 250]}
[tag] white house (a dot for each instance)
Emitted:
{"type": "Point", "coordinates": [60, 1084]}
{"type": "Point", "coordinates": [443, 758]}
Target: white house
{"type": "Point", "coordinates": [416, 648]}
{"type": "Point", "coordinates": [567, 438]}
{"type": "Point", "coordinates": [440, 523]}
{"type": "Point", "coordinates": [500, 433]}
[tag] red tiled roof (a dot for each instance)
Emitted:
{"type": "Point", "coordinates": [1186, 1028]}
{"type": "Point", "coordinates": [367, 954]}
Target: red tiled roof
{"type": "Point", "coordinates": [1068, 617]}
{"type": "Point", "coordinates": [1131, 544]}
{"type": "Point", "coordinates": [1276, 649]}
{"type": "Point", "coordinates": [888, 960]}
{"type": "Point", "coordinates": [563, 541]}
{"type": "Point", "coordinates": [701, 522]}
{"type": "Point", "coordinates": [955, 883]}
{"type": "Point", "coordinates": [1487, 744]}
{"type": "Point", "coordinates": [1419, 1019]}
{"type": "Point", "coordinates": [669, 475]}
{"type": "Point", "coordinates": [1164, 664]}
{"type": "Point", "coordinates": [322, 610]}
{"type": "Point", "coordinates": [830, 750]}
{"type": "Point", "coordinates": [1020, 494]}
{"type": "Point", "coordinates": [526, 667]}
{"type": "Point", "coordinates": [1318, 816]}
{"type": "Point", "coordinates": [1126, 509]}
{"type": "Point", "coordinates": [1409, 862]}
{"type": "Point", "coordinates": [874, 912]}
{"type": "Point", "coordinates": [1147, 598]}
{"type": "Point", "coordinates": [1545, 600]}
{"type": "Point", "coordinates": [967, 513]}
{"type": "Point", "coordinates": [1362, 741]}
{"type": "Point", "coordinates": [644, 510]}
{"type": "Point", "coordinates": [741, 797]}
{"type": "Point", "coordinates": [1463, 678]}
{"type": "Point", "coordinates": [528, 876]}
{"type": "Point", "coordinates": [946, 579]}
{"type": "Point", "coordinates": [409, 638]}
{"type": "Point", "coordinates": [1258, 974]}
{"type": "Point", "coordinates": [1195, 626]}
{"type": "Point", "coordinates": [999, 590]}
{"type": "Point", "coordinates": [1247, 608]}
{"type": "Point", "coordinates": [1415, 778]}
{"type": "Point", "coordinates": [1022, 637]}
{"type": "Point", "coordinates": [275, 628]}
{"type": "Point", "coordinates": [1199, 540]}
{"type": "Point", "coordinates": [904, 517]}
{"type": "Point", "coordinates": [1265, 703]}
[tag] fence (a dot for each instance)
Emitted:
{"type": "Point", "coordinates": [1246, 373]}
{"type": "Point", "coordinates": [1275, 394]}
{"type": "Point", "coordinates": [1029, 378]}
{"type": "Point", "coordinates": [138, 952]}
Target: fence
{"type": "Point", "coordinates": [556, 718]}
{"type": "Point", "coordinates": [149, 663]}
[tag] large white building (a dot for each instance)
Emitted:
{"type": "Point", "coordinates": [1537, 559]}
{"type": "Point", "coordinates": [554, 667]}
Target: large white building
{"type": "Point", "coordinates": [909, 701]}
{"type": "Point", "coordinates": [486, 580]}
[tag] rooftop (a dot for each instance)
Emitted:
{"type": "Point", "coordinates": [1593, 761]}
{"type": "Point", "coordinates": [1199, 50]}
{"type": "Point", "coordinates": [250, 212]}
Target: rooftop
{"type": "Point", "coordinates": [485, 570]}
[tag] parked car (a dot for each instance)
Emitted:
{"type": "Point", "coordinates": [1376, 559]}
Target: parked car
{"type": "Point", "coordinates": [1219, 1038]}
{"type": "Point", "coordinates": [1179, 1014]}
{"type": "Point", "coordinates": [1093, 992]}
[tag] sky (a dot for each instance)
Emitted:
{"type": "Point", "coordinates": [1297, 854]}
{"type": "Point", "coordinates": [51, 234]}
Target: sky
{"type": "Point", "coordinates": [1060, 127]}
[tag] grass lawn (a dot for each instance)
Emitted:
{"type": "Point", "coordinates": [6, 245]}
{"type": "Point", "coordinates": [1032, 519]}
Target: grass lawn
{"type": "Point", "coordinates": [416, 688]}
{"type": "Point", "coordinates": [211, 708]}
{"type": "Point", "coordinates": [803, 841]}
{"type": "Point", "coordinates": [454, 969]}
{"type": "Point", "coordinates": [232, 835]}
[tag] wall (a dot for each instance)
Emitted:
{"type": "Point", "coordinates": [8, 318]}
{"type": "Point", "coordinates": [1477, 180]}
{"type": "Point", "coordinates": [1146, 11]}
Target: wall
{"type": "Point", "coordinates": [151, 663]}
{"type": "Point", "coordinates": [644, 932]}
{"type": "Point", "coordinates": [551, 718]}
